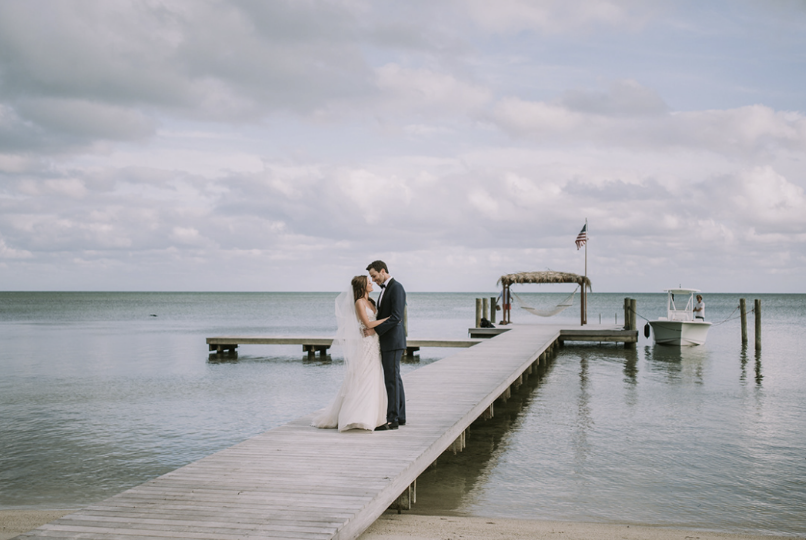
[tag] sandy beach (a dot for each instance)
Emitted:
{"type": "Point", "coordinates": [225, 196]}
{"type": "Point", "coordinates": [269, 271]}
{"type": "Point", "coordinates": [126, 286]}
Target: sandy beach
{"type": "Point", "coordinates": [392, 526]}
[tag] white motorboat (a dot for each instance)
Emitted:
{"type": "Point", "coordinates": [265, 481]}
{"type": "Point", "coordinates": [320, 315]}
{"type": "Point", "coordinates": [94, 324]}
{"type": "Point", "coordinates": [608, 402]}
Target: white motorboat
{"type": "Point", "coordinates": [679, 327]}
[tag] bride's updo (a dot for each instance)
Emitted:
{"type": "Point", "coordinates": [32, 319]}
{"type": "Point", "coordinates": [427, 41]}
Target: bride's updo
{"type": "Point", "coordinates": [359, 284]}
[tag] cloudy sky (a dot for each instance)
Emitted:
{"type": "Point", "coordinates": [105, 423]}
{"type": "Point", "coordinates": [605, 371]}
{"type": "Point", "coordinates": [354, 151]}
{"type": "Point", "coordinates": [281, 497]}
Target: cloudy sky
{"type": "Point", "coordinates": [283, 145]}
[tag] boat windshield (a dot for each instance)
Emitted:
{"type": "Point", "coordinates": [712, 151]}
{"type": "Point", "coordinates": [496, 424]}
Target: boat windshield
{"type": "Point", "coordinates": [676, 313]}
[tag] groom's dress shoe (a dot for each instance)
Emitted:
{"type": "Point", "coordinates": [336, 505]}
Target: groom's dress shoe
{"type": "Point", "coordinates": [401, 422]}
{"type": "Point", "coordinates": [387, 426]}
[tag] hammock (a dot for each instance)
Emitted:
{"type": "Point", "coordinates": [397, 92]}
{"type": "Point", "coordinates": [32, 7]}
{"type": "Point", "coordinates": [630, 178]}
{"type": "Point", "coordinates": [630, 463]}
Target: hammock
{"type": "Point", "coordinates": [565, 304]}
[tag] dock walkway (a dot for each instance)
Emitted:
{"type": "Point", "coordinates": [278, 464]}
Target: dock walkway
{"type": "Point", "coordinates": [296, 481]}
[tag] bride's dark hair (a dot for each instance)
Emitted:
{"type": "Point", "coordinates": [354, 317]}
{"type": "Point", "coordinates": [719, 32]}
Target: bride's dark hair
{"type": "Point", "coordinates": [359, 284]}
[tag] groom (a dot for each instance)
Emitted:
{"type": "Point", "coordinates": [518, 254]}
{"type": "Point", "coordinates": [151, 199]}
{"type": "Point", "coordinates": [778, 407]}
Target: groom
{"type": "Point", "coordinates": [392, 336]}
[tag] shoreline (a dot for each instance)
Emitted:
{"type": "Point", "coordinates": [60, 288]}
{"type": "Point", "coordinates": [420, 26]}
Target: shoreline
{"type": "Point", "coordinates": [393, 526]}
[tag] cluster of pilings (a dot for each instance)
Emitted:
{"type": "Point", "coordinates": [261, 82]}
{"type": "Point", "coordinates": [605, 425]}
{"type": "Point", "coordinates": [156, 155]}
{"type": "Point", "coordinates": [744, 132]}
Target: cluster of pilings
{"type": "Point", "coordinates": [743, 315]}
{"type": "Point", "coordinates": [485, 309]}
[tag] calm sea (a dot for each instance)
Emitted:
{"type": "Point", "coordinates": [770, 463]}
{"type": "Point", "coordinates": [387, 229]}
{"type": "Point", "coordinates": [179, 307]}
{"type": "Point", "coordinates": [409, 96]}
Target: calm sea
{"type": "Point", "coordinates": [100, 392]}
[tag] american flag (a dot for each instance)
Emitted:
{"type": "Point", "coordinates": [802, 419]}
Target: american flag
{"type": "Point", "coordinates": [582, 237]}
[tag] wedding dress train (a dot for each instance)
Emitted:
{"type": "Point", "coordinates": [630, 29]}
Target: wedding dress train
{"type": "Point", "coordinates": [361, 401]}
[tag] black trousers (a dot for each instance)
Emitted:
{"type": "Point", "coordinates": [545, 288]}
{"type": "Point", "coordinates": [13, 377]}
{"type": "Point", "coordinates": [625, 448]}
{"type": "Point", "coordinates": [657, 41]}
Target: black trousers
{"type": "Point", "coordinates": [396, 397]}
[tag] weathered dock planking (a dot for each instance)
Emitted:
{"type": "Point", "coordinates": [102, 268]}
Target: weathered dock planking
{"type": "Point", "coordinates": [296, 481]}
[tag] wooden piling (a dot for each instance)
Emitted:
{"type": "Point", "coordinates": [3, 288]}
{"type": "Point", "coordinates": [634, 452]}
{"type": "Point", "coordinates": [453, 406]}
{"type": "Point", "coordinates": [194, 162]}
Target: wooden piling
{"type": "Point", "coordinates": [743, 313]}
{"type": "Point", "coordinates": [460, 443]}
{"type": "Point", "coordinates": [493, 306]}
{"type": "Point", "coordinates": [757, 310]}
{"type": "Point", "coordinates": [627, 314]}
{"type": "Point", "coordinates": [489, 412]}
{"type": "Point", "coordinates": [630, 319]}
{"type": "Point", "coordinates": [407, 498]}
{"type": "Point", "coordinates": [485, 308]}
{"type": "Point", "coordinates": [478, 312]}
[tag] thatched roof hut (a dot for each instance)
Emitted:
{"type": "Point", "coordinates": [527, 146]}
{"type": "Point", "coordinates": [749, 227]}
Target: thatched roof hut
{"type": "Point", "coordinates": [549, 276]}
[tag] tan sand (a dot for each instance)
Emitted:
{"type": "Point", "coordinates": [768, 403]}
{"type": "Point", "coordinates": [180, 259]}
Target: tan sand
{"type": "Point", "coordinates": [16, 522]}
{"type": "Point", "coordinates": [411, 527]}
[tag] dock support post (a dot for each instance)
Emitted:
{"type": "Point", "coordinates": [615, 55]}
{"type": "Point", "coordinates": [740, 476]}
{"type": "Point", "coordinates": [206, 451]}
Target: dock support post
{"type": "Point", "coordinates": [488, 412]}
{"type": "Point", "coordinates": [478, 312]}
{"type": "Point", "coordinates": [407, 498]}
{"type": "Point", "coordinates": [460, 443]}
{"type": "Point", "coordinates": [633, 323]}
{"type": "Point", "coordinates": [493, 308]}
{"type": "Point", "coordinates": [221, 347]}
{"type": "Point", "coordinates": [485, 308]}
{"type": "Point", "coordinates": [757, 310]}
{"type": "Point", "coordinates": [627, 314]}
{"type": "Point", "coordinates": [506, 395]}
{"type": "Point", "coordinates": [743, 313]}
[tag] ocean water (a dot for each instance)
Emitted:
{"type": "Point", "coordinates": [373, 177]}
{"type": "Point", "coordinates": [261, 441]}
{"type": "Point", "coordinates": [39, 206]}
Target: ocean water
{"type": "Point", "coordinates": [100, 392]}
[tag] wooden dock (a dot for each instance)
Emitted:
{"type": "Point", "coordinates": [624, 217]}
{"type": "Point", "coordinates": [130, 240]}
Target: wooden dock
{"type": "Point", "coordinates": [296, 481]}
{"type": "Point", "coordinates": [312, 345]}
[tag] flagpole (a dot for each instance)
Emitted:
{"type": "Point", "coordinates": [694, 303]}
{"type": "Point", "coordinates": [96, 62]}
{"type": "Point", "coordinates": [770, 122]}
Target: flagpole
{"type": "Point", "coordinates": [584, 292]}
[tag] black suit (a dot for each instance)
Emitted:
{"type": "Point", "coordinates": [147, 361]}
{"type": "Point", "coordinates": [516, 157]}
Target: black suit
{"type": "Point", "coordinates": [392, 336]}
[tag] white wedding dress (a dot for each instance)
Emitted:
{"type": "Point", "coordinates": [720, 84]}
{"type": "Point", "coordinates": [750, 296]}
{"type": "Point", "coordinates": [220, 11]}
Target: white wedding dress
{"type": "Point", "coordinates": [361, 401]}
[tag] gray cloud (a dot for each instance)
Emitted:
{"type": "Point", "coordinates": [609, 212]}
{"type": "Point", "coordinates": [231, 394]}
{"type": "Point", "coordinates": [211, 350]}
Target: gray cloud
{"type": "Point", "coordinates": [252, 145]}
{"type": "Point", "coordinates": [747, 130]}
{"type": "Point", "coordinates": [207, 60]}
{"type": "Point", "coordinates": [624, 98]}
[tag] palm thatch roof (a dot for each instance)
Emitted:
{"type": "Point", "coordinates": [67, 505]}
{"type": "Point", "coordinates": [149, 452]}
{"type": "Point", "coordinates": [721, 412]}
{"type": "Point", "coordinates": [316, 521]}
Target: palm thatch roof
{"type": "Point", "coordinates": [549, 276]}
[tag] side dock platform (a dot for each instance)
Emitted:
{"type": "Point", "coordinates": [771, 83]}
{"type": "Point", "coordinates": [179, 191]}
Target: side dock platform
{"type": "Point", "coordinates": [321, 344]}
{"type": "Point", "coordinates": [296, 481]}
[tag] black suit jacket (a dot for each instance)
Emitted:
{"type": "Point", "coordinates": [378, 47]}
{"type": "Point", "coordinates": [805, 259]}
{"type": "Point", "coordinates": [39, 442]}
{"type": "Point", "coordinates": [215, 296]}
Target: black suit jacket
{"type": "Point", "coordinates": [391, 333]}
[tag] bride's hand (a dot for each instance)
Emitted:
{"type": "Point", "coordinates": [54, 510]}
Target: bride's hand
{"type": "Point", "coordinates": [368, 332]}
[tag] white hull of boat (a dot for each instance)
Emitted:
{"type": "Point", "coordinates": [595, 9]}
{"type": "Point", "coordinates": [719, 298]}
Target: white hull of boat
{"type": "Point", "coordinates": [680, 333]}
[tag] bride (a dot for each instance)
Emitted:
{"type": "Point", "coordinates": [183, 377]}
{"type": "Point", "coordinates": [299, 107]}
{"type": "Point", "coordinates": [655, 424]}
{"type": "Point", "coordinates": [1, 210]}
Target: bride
{"type": "Point", "coordinates": [361, 401]}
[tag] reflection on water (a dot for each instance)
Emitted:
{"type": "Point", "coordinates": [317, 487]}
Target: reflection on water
{"type": "Point", "coordinates": [662, 436]}
{"type": "Point", "coordinates": [680, 365]}
{"type": "Point", "coordinates": [584, 419]}
{"type": "Point", "coordinates": [451, 482]}
{"type": "Point", "coordinates": [758, 377]}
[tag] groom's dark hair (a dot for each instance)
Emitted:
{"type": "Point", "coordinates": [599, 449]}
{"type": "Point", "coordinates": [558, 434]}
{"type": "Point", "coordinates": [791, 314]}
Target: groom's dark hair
{"type": "Point", "coordinates": [377, 266]}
